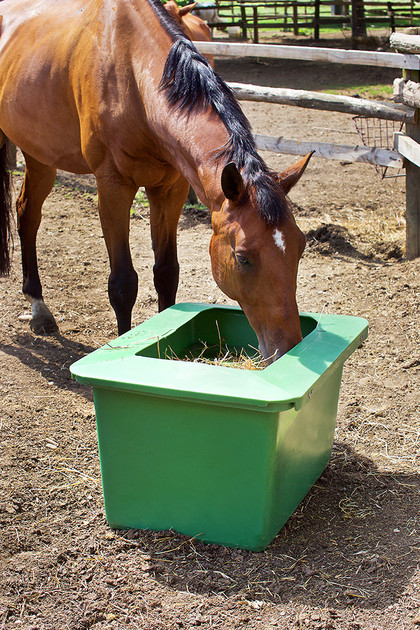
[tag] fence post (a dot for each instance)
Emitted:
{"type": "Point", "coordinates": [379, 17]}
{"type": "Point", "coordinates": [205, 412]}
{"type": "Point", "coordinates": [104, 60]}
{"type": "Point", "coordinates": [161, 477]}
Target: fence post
{"type": "Point", "coordinates": [255, 12]}
{"type": "Point", "coordinates": [316, 21]}
{"type": "Point", "coordinates": [295, 18]}
{"type": "Point", "coordinates": [412, 186]}
{"type": "Point", "coordinates": [243, 21]}
{"type": "Point", "coordinates": [410, 44]}
{"type": "Point", "coordinates": [391, 15]}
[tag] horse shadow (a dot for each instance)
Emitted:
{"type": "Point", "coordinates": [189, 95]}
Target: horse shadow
{"type": "Point", "coordinates": [349, 543]}
{"type": "Point", "coordinates": [51, 357]}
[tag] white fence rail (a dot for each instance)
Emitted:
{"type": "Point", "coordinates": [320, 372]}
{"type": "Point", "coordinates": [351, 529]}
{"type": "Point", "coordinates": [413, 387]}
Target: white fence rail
{"type": "Point", "coordinates": [342, 152]}
{"type": "Point", "coordinates": [309, 53]}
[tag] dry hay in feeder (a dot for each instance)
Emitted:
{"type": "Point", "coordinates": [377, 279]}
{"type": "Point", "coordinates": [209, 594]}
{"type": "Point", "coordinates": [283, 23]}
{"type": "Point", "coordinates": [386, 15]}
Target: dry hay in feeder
{"type": "Point", "coordinates": [223, 357]}
{"type": "Point", "coordinates": [220, 354]}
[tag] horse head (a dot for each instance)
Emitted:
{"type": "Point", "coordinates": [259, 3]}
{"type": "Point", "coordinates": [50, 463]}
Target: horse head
{"type": "Point", "coordinates": [255, 260]}
{"type": "Point", "coordinates": [193, 26]}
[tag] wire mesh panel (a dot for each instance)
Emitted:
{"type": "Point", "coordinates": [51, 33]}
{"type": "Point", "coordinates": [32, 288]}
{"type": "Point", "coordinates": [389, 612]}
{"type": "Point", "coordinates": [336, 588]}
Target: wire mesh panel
{"type": "Point", "coordinates": [379, 133]}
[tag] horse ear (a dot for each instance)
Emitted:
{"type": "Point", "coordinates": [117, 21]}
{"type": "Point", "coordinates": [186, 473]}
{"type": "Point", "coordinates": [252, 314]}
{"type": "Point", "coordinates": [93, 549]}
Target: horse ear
{"type": "Point", "coordinates": [188, 7]}
{"type": "Point", "coordinates": [232, 182]}
{"type": "Point", "coordinates": [172, 8]}
{"type": "Point", "coordinates": [292, 175]}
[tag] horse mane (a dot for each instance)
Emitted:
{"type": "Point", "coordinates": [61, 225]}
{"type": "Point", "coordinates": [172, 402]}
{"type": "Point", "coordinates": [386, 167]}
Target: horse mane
{"type": "Point", "coordinates": [192, 85]}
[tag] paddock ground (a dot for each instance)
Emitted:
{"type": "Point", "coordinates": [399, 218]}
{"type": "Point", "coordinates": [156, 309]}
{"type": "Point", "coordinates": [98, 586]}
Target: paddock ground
{"type": "Point", "coordinates": [348, 557]}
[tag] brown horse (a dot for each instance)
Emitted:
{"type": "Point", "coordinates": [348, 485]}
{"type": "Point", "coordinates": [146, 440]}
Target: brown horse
{"type": "Point", "coordinates": [191, 25]}
{"type": "Point", "coordinates": [114, 88]}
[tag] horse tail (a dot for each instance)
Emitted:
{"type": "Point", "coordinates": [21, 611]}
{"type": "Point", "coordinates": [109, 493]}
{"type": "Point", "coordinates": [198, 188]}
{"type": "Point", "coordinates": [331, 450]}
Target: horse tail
{"type": "Point", "coordinates": [5, 210]}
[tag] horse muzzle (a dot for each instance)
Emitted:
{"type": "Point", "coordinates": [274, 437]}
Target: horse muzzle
{"type": "Point", "coordinates": [273, 344]}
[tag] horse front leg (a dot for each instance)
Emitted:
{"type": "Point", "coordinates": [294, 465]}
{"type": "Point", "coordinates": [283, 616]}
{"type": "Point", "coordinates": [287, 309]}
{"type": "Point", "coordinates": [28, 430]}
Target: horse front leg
{"type": "Point", "coordinates": [115, 198]}
{"type": "Point", "coordinates": [166, 204]}
{"type": "Point", "coordinates": [37, 184]}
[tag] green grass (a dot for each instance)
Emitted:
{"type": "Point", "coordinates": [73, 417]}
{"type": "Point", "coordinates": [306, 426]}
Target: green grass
{"type": "Point", "coordinates": [325, 11]}
{"type": "Point", "coordinates": [195, 206]}
{"type": "Point", "coordinates": [140, 202]}
{"type": "Point", "coordinates": [372, 92]}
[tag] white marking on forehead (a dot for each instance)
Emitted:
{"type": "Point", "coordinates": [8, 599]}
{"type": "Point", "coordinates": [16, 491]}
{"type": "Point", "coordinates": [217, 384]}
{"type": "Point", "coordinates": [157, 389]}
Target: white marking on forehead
{"type": "Point", "coordinates": [279, 240]}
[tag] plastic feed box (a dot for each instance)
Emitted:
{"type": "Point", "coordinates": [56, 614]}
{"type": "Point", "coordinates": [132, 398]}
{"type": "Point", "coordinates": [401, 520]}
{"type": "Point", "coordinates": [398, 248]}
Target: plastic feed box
{"type": "Point", "coordinates": [221, 454]}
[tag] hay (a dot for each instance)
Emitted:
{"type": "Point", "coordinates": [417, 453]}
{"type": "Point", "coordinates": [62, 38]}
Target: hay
{"type": "Point", "coordinates": [224, 357]}
{"type": "Point", "coordinates": [219, 354]}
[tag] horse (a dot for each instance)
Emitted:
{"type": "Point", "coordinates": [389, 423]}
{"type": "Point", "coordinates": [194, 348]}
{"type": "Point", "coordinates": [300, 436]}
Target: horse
{"type": "Point", "coordinates": [194, 27]}
{"type": "Point", "coordinates": [115, 88]}
{"type": "Point", "coordinates": [191, 25]}
{"type": "Point", "coordinates": [197, 30]}
{"type": "Point", "coordinates": [209, 13]}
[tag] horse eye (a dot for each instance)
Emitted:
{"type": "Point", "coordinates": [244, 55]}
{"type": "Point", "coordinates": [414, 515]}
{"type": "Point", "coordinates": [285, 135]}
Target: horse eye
{"type": "Point", "coordinates": [243, 261]}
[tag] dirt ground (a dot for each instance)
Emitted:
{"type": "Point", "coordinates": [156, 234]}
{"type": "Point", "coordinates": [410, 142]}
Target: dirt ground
{"type": "Point", "coordinates": [347, 559]}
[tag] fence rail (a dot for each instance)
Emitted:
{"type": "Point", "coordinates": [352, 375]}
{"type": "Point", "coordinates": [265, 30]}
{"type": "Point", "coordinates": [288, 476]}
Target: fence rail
{"type": "Point", "coordinates": [409, 143]}
{"type": "Point", "coordinates": [313, 14]}
{"type": "Point", "coordinates": [342, 152]}
{"type": "Point", "coordinates": [306, 53]}
{"type": "Point", "coordinates": [326, 102]}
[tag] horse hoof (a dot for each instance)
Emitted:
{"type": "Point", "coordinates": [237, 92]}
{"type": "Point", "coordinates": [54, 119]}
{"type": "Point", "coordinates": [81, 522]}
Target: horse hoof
{"type": "Point", "coordinates": [42, 321]}
{"type": "Point", "coordinates": [43, 326]}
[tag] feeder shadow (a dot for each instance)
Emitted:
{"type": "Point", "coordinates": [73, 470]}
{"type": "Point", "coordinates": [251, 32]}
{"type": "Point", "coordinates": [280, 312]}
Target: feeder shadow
{"type": "Point", "coordinates": [349, 543]}
{"type": "Point", "coordinates": [50, 356]}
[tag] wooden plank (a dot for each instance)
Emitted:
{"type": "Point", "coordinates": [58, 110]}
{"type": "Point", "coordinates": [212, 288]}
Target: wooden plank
{"type": "Point", "coordinates": [327, 102]}
{"type": "Point", "coordinates": [407, 147]}
{"type": "Point", "coordinates": [412, 186]}
{"type": "Point", "coordinates": [332, 55]}
{"type": "Point", "coordinates": [412, 194]}
{"type": "Point", "coordinates": [345, 153]}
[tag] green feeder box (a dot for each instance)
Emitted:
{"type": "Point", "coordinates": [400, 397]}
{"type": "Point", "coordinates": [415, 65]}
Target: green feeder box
{"type": "Point", "coordinates": [220, 454]}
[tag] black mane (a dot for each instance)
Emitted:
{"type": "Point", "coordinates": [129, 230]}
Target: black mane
{"type": "Point", "coordinates": [191, 84]}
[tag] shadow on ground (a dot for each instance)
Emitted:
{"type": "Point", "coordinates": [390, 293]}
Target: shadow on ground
{"type": "Point", "coordinates": [335, 550]}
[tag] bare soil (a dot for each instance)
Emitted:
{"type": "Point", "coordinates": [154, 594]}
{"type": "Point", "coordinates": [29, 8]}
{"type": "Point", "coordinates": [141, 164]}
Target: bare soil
{"type": "Point", "coordinates": [348, 556]}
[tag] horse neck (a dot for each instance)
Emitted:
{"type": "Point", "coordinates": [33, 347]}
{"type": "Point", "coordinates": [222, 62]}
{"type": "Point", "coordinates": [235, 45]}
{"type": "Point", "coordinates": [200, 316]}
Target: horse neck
{"type": "Point", "coordinates": [194, 142]}
{"type": "Point", "coordinates": [187, 141]}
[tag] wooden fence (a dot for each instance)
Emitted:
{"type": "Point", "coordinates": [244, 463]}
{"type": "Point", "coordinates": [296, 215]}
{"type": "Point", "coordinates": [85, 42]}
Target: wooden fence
{"type": "Point", "coordinates": [408, 154]}
{"type": "Point", "coordinates": [295, 15]}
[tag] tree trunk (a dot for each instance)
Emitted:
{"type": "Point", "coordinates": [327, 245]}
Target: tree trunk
{"type": "Point", "coordinates": [358, 22]}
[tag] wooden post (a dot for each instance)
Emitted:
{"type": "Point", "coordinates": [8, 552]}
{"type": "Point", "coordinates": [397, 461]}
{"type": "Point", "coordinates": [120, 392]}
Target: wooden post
{"type": "Point", "coordinates": [243, 21]}
{"type": "Point", "coordinates": [346, 8]}
{"type": "Point", "coordinates": [295, 18]}
{"type": "Point", "coordinates": [316, 21]}
{"type": "Point", "coordinates": [391, 16]}
{"type": "Point", "coordinates": [255, 12]}
{"type": "Point", "coordinates": [412, 188]}
{"type": "Point", "coordinates": [411, 43]}
{"type": "Point", "coordinates": [358, 21]}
